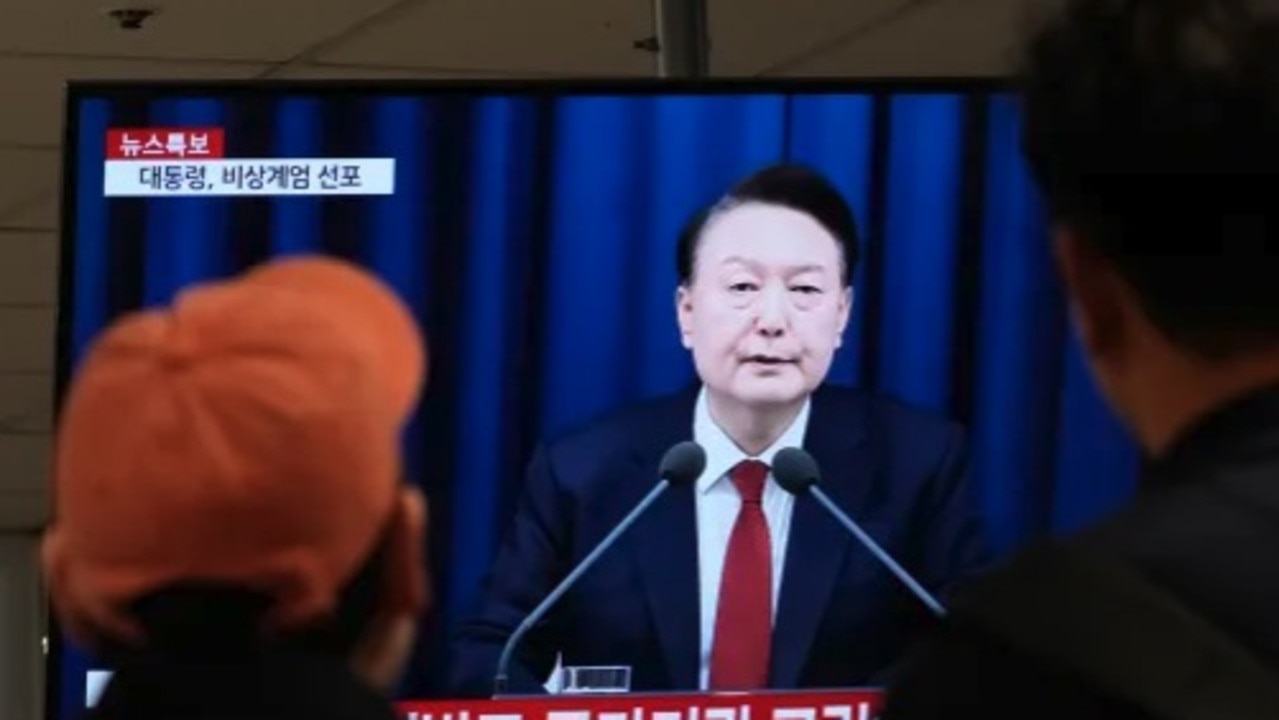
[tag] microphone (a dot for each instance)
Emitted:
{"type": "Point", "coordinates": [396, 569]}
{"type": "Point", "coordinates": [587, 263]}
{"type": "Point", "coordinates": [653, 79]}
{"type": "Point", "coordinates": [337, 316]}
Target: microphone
{"type": "Point", "coordinates": [797, 472]}
{"type": "Point", "coordinates": [681, 465]}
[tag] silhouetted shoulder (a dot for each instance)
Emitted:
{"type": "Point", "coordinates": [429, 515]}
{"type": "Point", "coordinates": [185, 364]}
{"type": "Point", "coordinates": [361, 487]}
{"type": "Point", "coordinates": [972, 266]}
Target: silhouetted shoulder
{"type": "Point", "coordinates": [962, 671]}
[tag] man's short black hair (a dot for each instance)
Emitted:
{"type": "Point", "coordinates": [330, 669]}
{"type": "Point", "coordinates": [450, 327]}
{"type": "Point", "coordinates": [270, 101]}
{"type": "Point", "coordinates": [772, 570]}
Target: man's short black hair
{"type": "Point", "coordinates": [1153, 128]}
{"type": "Point", "coordinates": [795, 187]}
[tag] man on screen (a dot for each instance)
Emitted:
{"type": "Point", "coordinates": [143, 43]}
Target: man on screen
{"type": "Point", "coordinates": [732, 583]}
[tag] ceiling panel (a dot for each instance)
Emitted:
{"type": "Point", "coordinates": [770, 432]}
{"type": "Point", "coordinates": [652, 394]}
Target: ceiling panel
{"type": "Point", "coordinates": [584, 37]}
{"type": "Point", "coordinates": [24, 510]}
{"type": "Point", "coordinates": [41, 213]}
{"type": "Point", "coordinates": [28, 175]}
{"type": "Point", "coordinates": [349, 72]}
{"type": "Point", "coordinates": [32, 89]}
{"type": "Point", "coordinates": [942, 39]}
{"type": "Point", "coordinates": [28, 339]}
{"type": "Point", "coordinates": [28, 268]}
{"type": "Point", "coordinates": [749, 37]}
{"type": "Point", "coordinates": [250, 30]}
{"type": "Point", "coordinates": [25, 458]}
{"type": "Point", "coordinates": [26, 402]}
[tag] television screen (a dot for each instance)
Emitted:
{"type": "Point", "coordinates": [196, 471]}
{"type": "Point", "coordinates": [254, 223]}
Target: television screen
{"type": "Point", "coordinates": [534, 229]}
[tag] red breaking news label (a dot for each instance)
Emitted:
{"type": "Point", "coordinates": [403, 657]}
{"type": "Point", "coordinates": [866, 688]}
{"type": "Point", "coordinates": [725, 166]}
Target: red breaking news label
{"type": "Point", "coordinates": [854, 704]}
{"type": "Point", "coordinates": [165, 144]}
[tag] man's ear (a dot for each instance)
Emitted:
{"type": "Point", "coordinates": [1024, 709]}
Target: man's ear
{"type": "Point", "coordinates": [684, 315]}
{"type": "Point", "coordinates": [383, 654]}
{"type": "Point", "coordinates": [845, 313]}
{"type": "Point", "coordinates": [387, 643]}
{"type": "Point", "coordinates": [1094, 293]}
{"type": "Point", "coordinates": [406, 586]}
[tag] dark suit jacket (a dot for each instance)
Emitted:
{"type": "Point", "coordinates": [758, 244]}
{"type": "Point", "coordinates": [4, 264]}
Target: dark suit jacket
{"type": "Point", "coordinates": [841, 617]}
{"type": "Point", "coordinates": [1204, 529]}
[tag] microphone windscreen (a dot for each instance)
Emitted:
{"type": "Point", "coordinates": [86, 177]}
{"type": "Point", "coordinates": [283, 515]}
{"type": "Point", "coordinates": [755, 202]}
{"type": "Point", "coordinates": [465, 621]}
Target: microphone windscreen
{"type": "Point", "coordinates": [683, 463]}
{"type": "Point", "coordinates": [795, 470]}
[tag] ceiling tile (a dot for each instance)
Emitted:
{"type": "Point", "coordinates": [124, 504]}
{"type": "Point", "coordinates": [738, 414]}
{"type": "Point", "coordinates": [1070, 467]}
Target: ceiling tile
{"type": "Point", "coordinates": [28, 268]}
{"type": "Point", "coordinates": [749, 37]}
{"type": "Point", "coordinates": [26, 402]}
{"type": "Point", "coordinates": [32, 89]}
{"type": "Point", "coordinates": [248, 30]}
{"type": "Point", "coordinates": [25, 459]}
{"type": "Point", "coordinates": [28, 339]}
{"type": "Point", "coordinates": [28, 175]}
{"type": "Point", "coordinates": [24, 511]}
{"type": "Point", "coordinates": [39, 213]}
{"type": "Point", "coordinates": [940, 39]}
{"type": "Point", "coordinates": [355, 72]}
{"type": "Point", "coordinates": [583, 37]}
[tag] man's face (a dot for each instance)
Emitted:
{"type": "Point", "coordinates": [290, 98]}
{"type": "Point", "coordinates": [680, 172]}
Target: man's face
{"type": "Point", "coordinates": [765, 308]}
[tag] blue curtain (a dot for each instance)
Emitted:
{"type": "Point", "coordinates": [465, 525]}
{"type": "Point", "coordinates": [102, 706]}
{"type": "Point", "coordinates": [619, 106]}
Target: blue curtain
{"type": "Point", "coordinates": [534, 236]}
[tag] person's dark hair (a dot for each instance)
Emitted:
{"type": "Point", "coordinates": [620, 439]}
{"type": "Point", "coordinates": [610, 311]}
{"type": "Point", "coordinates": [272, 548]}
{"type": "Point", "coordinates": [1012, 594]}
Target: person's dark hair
{"type": "Point", "coordinates": [1153, 128]}
{"type": "Point", "coordinates": [211, 621]}
{"type": "Point", "coordinates": [790, 186]}
{"type": "Point", "coordinates": [204, 648]}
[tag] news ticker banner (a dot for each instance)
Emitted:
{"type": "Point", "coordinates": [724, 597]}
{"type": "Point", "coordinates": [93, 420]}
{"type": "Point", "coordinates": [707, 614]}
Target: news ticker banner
{"type": "Point", "coordinates": [834, 705]}
{"type": "Point", "coordinates": [192, 162]}
{"type": "Point", "coordinates": [857, 704]}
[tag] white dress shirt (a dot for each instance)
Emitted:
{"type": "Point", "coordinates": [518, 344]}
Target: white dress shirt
{"type": "Point", "coordinates": [717, 506]}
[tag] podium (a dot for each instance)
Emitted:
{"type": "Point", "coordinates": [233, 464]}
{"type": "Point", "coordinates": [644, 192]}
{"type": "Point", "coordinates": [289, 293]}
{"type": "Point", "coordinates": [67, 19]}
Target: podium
{"type": "Point", "coordinates": [852, 704]}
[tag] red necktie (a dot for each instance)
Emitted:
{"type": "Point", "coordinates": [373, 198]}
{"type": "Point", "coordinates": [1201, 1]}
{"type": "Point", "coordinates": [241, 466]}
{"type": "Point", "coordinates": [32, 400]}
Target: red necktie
{"type": "Point", "coordinates": [744, 619]}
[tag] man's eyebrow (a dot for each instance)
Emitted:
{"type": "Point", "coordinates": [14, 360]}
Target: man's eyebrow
{"type": "Point", "coordinates": [790, 269]}
{"type": "Point", "coordinates": [739, 260]}
{"type": "Point", "coordinates": [808, 267]}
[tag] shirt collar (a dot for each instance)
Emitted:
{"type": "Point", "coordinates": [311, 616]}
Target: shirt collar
{"type": "Point", "coordinates": [1247, 426]}
{"type": "Point", "coordinates": [722, 453]}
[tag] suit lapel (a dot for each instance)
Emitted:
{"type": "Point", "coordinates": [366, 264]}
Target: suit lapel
{"type": "Point", "coordinates": [665, 547]}
{"type": "Point", "coordinates": [818, 544]}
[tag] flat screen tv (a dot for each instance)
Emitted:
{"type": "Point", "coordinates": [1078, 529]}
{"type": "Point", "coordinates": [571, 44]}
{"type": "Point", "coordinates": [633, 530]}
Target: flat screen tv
{"type": "Point", "coordinates": [533, 229]}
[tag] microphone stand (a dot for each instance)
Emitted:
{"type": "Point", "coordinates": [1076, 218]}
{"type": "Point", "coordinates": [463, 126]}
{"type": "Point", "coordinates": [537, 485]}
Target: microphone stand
{"type": "Point", "coordinates": [502, 677]}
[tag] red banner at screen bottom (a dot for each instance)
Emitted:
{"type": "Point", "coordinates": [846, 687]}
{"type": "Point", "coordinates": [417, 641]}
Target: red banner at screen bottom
{"type": "Point", "coordinates": [831, 705]}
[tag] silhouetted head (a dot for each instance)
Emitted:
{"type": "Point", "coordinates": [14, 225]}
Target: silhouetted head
{"type": "Point", "coordinates": [250, 496]}
{"type": "Point", "coordinates": [1153, 128]}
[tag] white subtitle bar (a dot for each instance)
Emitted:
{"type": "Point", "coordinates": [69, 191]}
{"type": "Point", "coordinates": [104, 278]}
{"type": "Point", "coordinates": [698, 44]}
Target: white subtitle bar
{"type": "Point", "coordinates": [262, 177]}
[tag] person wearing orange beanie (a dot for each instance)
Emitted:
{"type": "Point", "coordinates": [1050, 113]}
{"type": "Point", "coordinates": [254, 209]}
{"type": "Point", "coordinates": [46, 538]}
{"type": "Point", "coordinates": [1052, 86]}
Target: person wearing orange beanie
{"type": "Point", "coordinates": [232, 532]}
